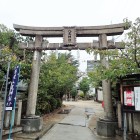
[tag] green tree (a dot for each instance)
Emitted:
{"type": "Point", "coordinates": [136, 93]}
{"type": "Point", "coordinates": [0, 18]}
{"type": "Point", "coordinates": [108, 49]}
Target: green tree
{"type": "Point", "coordinates": [74, 92]}
{"type": "Point", "coordinates": [84, 86]}
{"type": "Point", "coordinates": [121, 62]}
{"type": "Point", "coordinates": [6, 36]}
{"type": "Point", "coordinates": [9, 51]}
{"type": "Point", "coordinates": [57, 77]}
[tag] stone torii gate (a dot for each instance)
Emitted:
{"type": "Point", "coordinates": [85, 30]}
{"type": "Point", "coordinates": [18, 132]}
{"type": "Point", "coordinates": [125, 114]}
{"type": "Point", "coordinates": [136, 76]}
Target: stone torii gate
{"type": "Point", "coordinates": [69, 35]}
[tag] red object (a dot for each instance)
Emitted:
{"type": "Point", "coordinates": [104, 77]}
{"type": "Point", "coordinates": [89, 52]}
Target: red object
{"type": "Point", "coordinates": [129, 98]}
{"type": "Point", "coordinates": [103, 104]}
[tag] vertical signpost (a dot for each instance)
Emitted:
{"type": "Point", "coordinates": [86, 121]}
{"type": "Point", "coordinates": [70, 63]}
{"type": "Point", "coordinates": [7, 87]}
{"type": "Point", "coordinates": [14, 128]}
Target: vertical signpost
{"type": "Point", "coordinates": [11, 97]}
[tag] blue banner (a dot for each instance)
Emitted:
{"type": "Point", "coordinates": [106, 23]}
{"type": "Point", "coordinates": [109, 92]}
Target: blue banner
{"type": "Point", "coordinates": [11, 97]}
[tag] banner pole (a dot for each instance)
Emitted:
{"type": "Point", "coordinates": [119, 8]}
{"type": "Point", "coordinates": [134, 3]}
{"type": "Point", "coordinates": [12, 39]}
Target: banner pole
{"type": "Point", "coordinates": [13, 110]}
{"type": "Point", "coordinates": [3, 113]}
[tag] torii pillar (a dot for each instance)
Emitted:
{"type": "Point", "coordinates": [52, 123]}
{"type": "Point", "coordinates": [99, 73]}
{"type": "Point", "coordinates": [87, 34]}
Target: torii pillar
{"type": "Point", "coordinates": [107, 97]}
{"type": "Point", "coordinates": [33, 88]}
{"type": "Point", "coordinates": [106, 126]}
{"type": "Point", "coordinates": [33, 123]}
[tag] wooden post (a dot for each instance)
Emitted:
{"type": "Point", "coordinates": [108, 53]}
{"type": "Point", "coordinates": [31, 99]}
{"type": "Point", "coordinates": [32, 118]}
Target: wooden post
{"type": "Point", "coordinates": [18, 113]}
{"type": "Point", "coordinates": [119, 115]}
{"type": "Point", "coordinates": [132, 121]}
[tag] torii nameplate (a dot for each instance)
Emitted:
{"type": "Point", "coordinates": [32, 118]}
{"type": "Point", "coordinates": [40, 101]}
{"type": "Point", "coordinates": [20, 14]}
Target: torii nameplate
{"type": "Point", "coordinates": [69, 36]}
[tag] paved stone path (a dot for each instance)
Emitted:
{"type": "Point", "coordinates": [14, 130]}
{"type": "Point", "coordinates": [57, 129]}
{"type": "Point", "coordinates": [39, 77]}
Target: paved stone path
{"type": "Point", "coordinates": [79, 124]}
{"type": "Point", "coordinates": [72, 127]}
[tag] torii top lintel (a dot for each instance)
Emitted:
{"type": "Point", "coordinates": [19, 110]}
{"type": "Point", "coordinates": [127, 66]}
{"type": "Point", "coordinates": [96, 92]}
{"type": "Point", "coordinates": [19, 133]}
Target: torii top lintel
{"type": "Point", "coordinates": [80, 31]}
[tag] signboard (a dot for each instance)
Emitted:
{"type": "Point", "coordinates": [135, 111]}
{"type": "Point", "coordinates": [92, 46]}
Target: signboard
{"type": "Point", "coordinates": [69, 36]}
{"type": "Point", "coordinates": [11, 97]}
{"type": "Point", "coordinates": [129, 98]}
{"type": "Point", "coordinates": [137, 98]}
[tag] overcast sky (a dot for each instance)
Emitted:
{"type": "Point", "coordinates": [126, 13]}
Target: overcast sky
{"type": "Point", "coordinates": [52, 13]}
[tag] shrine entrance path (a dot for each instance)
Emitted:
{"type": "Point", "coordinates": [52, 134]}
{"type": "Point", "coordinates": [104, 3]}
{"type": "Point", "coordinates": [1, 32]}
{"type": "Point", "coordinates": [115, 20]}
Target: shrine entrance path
{"type": "Point", "coordinates": [79, 124]}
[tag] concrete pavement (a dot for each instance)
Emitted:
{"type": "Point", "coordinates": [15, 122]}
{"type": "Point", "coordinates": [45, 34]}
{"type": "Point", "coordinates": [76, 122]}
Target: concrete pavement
{"type": "Point", "coordinates": [79, 124]}
{"type": "Point", "coordinates": [68, 132]}
{"type": "Point", "coordinates": [72, 127]}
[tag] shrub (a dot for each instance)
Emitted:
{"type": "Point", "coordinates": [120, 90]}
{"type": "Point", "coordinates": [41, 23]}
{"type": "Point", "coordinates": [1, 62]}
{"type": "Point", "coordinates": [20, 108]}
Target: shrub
{"type": "Point", "coordinates": [43, 108]}
{"type": "Point", "coordinates": [82, 95]}
{"type": "Point", "coordinates": [59, 102]}
{"type": "Point", "coordinates": [53, 102]}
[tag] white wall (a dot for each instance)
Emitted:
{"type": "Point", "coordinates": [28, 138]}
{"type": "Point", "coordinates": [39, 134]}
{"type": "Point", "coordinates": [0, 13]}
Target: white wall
{"type": "Point", "coordinates": [100, 95]}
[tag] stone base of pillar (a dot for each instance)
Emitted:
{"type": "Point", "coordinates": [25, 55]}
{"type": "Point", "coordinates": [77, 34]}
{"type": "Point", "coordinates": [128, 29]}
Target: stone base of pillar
{"type": "Point", "coordinates": [32, 124]}
{"type": "Point", "coordinates": [106, 128]}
